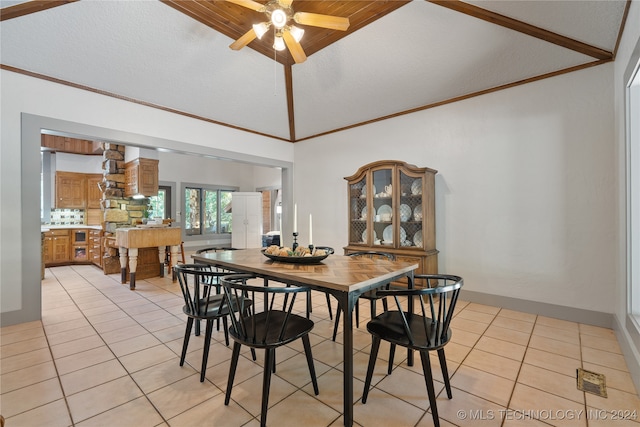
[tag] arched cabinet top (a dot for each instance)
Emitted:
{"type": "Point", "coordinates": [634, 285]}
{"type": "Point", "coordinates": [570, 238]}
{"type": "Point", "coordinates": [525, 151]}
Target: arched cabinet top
{"type": "Point", "coordinates": [381, 164]}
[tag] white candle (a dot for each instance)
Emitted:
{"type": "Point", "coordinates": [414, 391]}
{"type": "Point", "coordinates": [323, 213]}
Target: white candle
{"type": "Point", "coordinates": [295, 218]}
{"type": "Point", "coordinates": [281, 233]}
{"type": "Point", "coordinates": [310, 230]}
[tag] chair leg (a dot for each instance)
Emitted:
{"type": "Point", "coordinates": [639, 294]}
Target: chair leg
{"type": "Point", "coordinates": [445, 372]}
{"type": "Point", "coordinates": [226, 330]}
{"type": "Point", "coordinates": [428, 379]}
{"type": "Point", "coordinates": [392, 353]}
{"type": "Point", "coordinates": [312, 370]}
{"type": "Point", "coordinates": [385, 305]}
{"type": "Point", "coordinates": [329, 307]}
{"type": "Point", "coordinates": [375, 346]}
{"type": "Point", "coordinates": [197, 327]}
{"type": "Point", "coordinates": [185, 342]}
{"type": "Point", "coordinates": [205, 353]}
{"type": "Point", "coordinates": [232, 370]}
{"type": "Point", "coordinates": [266, 383]}
{"type": "Point", "coordinates": [335, 326]}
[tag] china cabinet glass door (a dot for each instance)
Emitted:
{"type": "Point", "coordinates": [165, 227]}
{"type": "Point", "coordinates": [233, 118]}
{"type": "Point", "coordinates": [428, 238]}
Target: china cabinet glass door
{"type": "Point", "coordinates": [410, 211]}
{"type": "Point", "coordinates": [358, 212]}
{"type": "Point", "coordinates": [383, 207]}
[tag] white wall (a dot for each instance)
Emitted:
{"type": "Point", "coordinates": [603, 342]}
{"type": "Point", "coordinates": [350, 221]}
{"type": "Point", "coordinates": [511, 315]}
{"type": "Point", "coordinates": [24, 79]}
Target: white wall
{"type": "Point", "coordinates": [81, 110]}
{"type": "Point", "coordinates": [77, 163]}
{"type": "Point", "coordinates": [184, 168]}
{"type": "Point", "coordinates": [188, 168]}
{"type": "Point", "coordinates": [525, 194]}
{"type": "Point", "coordinates": [626, 332]}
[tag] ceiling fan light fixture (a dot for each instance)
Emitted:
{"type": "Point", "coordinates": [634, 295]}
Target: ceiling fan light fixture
{"type": "Point", "coordinates": [261, 28]}
{"type": "Point", "coordinates": [278, 42]}
{"type": "Point", "coordinates": [296, 32]}
{"type": "Point", "coordinates": [279, 18]}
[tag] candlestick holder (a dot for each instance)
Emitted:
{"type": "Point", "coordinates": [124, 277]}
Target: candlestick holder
{"type": "Point", "coordinates": [311, 249]}
{"type": "Point", "coordinates": [295, 241]}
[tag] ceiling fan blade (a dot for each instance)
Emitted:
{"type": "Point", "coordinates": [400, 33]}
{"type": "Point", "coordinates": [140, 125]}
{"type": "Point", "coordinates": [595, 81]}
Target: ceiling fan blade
{"type": "Point", "coordinates": [285, 3]}
{"type": "Point", "coordinates": [294, 47]}
{"type": "Point", "coordinates": [244, 40]}
{"type": "Point", "coordinates": [253, 5]}
{"type": "Point", "coordinates": [324, 21]}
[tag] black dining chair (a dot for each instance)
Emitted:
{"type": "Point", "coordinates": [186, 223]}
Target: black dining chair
{"type": "Point", "coordinates": [196, 283]}
{"type": "Point", "coordinates": [424, 331]}
{"type": "Point", "coordinates": [371, 295]}
{"type": "Point", "coordinates": [217, 269]}
{"type": "Point", "coordinates": [266, 324]}
{"type": "Point", "coordinates": [215, 249]}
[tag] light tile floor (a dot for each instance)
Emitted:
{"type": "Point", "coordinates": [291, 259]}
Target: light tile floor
{"type": "Point", "coordinates": [107, 356]}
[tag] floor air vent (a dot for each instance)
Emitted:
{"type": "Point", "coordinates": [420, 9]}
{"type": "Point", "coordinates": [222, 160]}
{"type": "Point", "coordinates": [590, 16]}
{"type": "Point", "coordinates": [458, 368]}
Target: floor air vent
{"type": "Point", "coordinates": [591, 382]}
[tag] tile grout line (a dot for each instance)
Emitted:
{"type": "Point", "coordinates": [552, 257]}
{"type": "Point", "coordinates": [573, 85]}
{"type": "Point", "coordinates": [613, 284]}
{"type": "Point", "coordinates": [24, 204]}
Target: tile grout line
{"type": "Point", "coordinates": [515, 383]}
{"type": "Point", "coordinates": [101, 287]}
{"type": "Point", "coordinates": [107, 346]}
{"type": "Point", "coordinates": [55, 367]}
{"type": "Point", "coordinates": [163, 343]}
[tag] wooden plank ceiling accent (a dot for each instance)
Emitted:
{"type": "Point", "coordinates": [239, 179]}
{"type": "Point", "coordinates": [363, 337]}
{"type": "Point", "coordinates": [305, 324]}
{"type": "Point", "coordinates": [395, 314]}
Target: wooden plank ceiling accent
{"type": "Point", "coordinates": [233, 21]}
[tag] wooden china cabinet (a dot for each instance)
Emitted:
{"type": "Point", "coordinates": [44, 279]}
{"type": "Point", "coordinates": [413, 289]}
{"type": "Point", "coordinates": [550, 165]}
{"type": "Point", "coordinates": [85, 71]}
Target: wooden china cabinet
{"type": "Point", "coordinates": [392, 209]}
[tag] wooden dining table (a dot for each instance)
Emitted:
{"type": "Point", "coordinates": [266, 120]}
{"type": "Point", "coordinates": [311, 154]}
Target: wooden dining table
{"type": "Point", "coordinates": [346, 278]}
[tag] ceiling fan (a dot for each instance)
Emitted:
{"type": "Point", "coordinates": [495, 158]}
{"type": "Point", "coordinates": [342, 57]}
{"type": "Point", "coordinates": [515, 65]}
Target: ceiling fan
{"type": "Point", "coordinates": [281, 16]}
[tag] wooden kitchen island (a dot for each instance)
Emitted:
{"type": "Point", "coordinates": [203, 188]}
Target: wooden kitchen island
{"type": "Point", "coordinates": [129, 240]}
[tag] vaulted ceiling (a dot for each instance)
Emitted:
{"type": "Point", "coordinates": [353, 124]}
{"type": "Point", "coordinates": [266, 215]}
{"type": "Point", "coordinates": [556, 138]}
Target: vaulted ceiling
{"type": "Point", "coordinates": [395, 58]}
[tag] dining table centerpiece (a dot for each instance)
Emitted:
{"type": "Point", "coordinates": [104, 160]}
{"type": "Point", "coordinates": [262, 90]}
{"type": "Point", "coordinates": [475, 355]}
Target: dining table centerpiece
{"type": "Point", "coordinates": [300, 255]}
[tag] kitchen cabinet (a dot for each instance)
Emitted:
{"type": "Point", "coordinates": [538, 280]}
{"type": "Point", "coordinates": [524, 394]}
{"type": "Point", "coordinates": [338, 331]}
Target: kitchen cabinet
{"type": "Point", "coordinates": [141, 177]}
{"type": "Point", "coordinates": [76, 245]}
{"type": "Point", "coordinates": [47, 248]}
{"type": "Point", "coordinates": [70, 190]}
{"type": "Point", "coordinates": [246, 220]}
{"type": "Point", "coordinates": [78, 190]}
{"type": "Point", "coordinates": [94, 194]}
{"type": "Point", "coordinates": [56, 247]}
{"type": "Point", "coordinates": [65, 144]}
{"type": "Point", "coordinates": [95, 247]}
{"type": "Point", "coordinates": [392, 209]}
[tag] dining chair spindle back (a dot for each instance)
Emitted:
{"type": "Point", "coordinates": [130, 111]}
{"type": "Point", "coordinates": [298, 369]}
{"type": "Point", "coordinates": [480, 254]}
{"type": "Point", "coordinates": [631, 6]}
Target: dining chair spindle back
{"type": "Point", "coordinates": [196, 283]}
{"type": "Point", "coordinates": [268, 323]}
{"type": "Point", "coordinates": [426, 330]}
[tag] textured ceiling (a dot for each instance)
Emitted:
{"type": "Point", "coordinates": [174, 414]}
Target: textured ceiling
{"type": "Point", "coordinates": [419, 54]}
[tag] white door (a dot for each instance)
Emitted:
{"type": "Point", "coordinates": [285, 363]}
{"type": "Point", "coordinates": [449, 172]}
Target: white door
{"type": "Point", "coordinates": [247, 220]}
